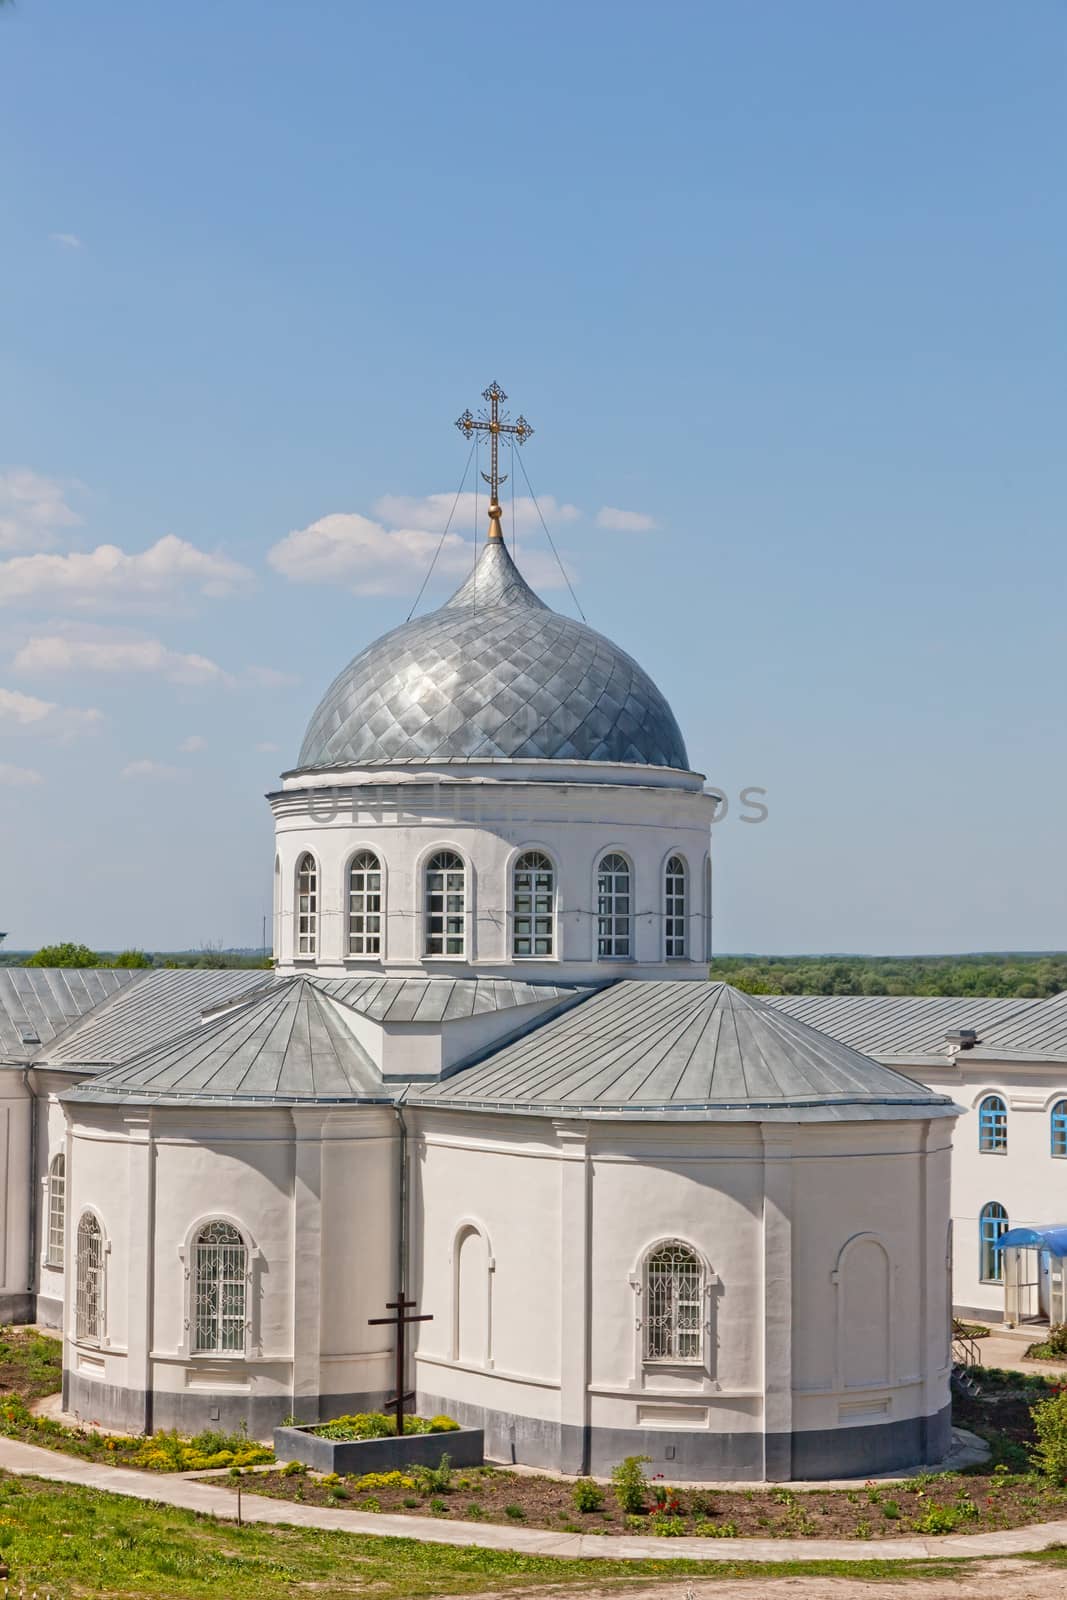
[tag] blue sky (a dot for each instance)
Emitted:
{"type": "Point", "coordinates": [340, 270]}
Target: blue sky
{"type": "Point", "coordinates": [785, 281]}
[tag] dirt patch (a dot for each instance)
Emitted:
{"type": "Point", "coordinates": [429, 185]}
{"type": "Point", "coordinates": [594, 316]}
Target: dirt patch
{"type": "Point", "coordinates": [31, 1363]}
{"type": "Point", "coordinates": [928, 1505]}
{"type": "Point", "coordinates": [1007, 1580]}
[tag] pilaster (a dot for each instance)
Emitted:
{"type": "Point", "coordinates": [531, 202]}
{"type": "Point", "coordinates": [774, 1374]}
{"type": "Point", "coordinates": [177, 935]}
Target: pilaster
{"type": "Point", "coordinates": [777, 1302]}
{"type": "Point", "coordinates": [575, 1275]}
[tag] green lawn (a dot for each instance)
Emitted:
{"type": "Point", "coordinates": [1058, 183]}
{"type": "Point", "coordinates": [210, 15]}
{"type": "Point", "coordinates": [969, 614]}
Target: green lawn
{"type": "Point", "coordinates": [68, 1542]}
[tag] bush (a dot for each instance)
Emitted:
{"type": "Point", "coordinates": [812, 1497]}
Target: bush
{"type": "Point", "coordinates": [587, 1495]}
{"type": "Point", "coordinates": [376, 1425]}
{"type": "Point", "coordinates": [939, 1519]}
{"type": "Point", "coordinates": [516, 1513]}
{"type": "Point", "coordinates": [1054, 1348]}
{"type": "Point", "coordinates": [436, 1480]}
{"type": "Point", "coordinates": [1049, 1454]}
{"type": "Point", "coordinates": [293, 1469]}
{"type": "Point", "coordinates": [442, 1425]}
{"type": "Point", "coordinates": [717, 1530]}
{"type": "Point", "coordinates": [665, 1525]}
{"type": "Point", "coordinates": [630, 1483]}
{"type": "Point", "coordinates": [369, 1481]}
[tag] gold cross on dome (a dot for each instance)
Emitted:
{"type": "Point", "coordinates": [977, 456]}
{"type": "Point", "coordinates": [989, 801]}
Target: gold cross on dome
{"type": "Point", "coordinates": [494, 423]}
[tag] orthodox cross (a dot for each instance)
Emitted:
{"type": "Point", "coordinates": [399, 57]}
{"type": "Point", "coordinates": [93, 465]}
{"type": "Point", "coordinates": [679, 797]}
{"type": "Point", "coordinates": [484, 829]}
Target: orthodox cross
{"type": "Point", "coordinates": [399, 1320]}
{"type": "Point", "coordinates": [494, 424]}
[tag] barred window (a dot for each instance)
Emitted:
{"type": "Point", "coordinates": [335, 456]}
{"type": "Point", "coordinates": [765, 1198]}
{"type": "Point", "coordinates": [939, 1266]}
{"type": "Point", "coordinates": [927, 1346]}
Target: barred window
{"type": "Point", "coordinates": [613, 907]}
{"type": "Point", "coordinates": [365, 905]}
{"type": "Point", "coordinates": [307, 906]}
{"type": "Point", "coordinates": [674, 1304]}
{"type": "Point", "coordinates": [535, 905]}
{"type": "Point", "coordinates": [220, 1271]}
{"type": "Point", "coordinates": [1059, 1128]}
{"type": "Point", "coordinates": [674, 908]}
{"type": "Point", "coordinates": [992, 1224]}
{"type": "Point", "coordinates": [89, 1295]}
{"type": "Point", "coordinates": [57, 1211]}
{"type": "Point", "coordinates": [993, 1125]}
{"type": "Point", "coordinates": [446, 904]}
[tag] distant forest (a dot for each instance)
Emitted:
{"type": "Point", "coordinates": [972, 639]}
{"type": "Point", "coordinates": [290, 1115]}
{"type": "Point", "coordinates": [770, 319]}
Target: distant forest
{"type": "Point", "coordinates": [1025, 976]}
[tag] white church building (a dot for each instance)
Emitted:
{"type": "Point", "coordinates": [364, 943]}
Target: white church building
{"type": "Point", "coordinates": [647, 1213]}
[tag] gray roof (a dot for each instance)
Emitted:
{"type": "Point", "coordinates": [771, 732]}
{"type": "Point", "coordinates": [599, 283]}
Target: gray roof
{"type": "Point", "coordinates": [39, 1003]}
{"type": "Point", "coordinates": [898, 1025]}
{"type": "Point", "coordinates": [437, 999]}
{"type": "Point", "coordinates": [1040, 1030]}
{"type": "Point", "coordinates": [284, 1046]}
{"type": "Point", "coordinates": [493, 673]}
{"type": "Point", "coordinates": [165, 1002]}
{"type": "Point", "coordinates": [679, 1049]}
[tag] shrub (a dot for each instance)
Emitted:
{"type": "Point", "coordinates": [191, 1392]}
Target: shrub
{"type": "Point", "coordinates": [442, 1425]}
{"type": "Point", "coordinates": [665, 1525]}
{"type": "Point", "coordinates": [438, 1507]}
{"type": "Point", "coordinates": [890, 1510]}
{"type": "Point", "coordinates": [1049, 1454]}
{"type": "Point", "coordinates": [587, 1495]}
{"type": "Point", "coordinates": [475, 1512]}
{"type": "Point", "coordinates": [1053, 1347]}
{"type": "Point", "coordinates": [293, 1469]}
{"type": "Point", "coordinates": [437, 1480]}
{"type": "Point", "coordinates": [515, 1512]}
{"type": "Point", "coordinates": [717, 1530]}
{"type": "Point", "coordinates": [369, 1481]}
{"type": "Point", "coordinates": [939, 1519]}
{"type": "Point", "coordinates": [630, 1483]}
{"type": "Point", "coordinates": [370, 1504]}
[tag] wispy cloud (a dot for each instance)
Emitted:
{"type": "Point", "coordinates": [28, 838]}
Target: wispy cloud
{"type": "Point", "coordinates": [150, 771]}
{"type": "Point", "coordinates": [108, 578]}
{"type": "Point", "coordinates": [625, 521]}
{"type": "Point", "coordinates": [69, 241]}
{"type": "Point", "coordinates": [429, 512]}
{"type": "Point", "coordinates": [27, 714]}
{"type": "Point", "coordinates": [195, 741]}
{"type": "Point", "coordinates": [56, 653]}
{"type": "Point", "coordinates": [33, 509]}
{"type": "Point", "coordinates": [18, 777]}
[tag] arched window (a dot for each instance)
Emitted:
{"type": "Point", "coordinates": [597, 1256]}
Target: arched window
{"type": "Point", "coordinates": [89, 1295]}
{"type": "Point", "coordinates": [57, 1211]}
{"type": "Point", "coordinates": [307, 906]}
{"type": "Point", "coordinates": [1059, 1128]}
{"type": "Point", "coordinates": [535, 905]}
{"type": "Point", "coordinates": [993, 1124]}
{"type": "Point", "coordinates": [674, 909]}
{"type": "Point", "coordinates": [992, 1224]}
{"type": "Point", "coordinates": [613, 907]}
{"type": "Point", "coordinates": [446, 904]}
{"type": "Point", "coordinates": [365, 905]}
{"type": "Point", "coordinates": [674, 1304]}
{"type": "Point", "coordinates": [220, 1270]}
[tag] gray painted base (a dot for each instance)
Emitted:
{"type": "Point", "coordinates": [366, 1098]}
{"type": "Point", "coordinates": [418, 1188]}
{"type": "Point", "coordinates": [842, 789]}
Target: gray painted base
{"type": "Point", "coordinates": [190, 1412]}
{"type": "Point", "coordinates": [978, 1313]}
{"type": "Point", "coordinates": [464, 1447]}
{"type": "Point", "coordinates": [690, 1455]}
{"type": "Point", "coordinates": [16, 1308]}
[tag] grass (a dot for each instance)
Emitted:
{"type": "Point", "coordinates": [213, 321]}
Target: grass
{"type": "Point", "coordinates": [31, 1363]}
{"type": "Point", "coordinates": [71, 1542]}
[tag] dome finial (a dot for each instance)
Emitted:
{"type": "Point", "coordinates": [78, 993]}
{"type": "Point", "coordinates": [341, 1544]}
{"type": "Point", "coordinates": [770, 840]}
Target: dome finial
{"type": "Point", "coordinates": [494, 424]}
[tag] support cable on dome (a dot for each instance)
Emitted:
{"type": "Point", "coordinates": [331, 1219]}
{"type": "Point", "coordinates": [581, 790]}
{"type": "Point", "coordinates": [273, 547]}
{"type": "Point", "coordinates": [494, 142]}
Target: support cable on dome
{"type": "Point", "coordinates": [551, 541]}
{"type": "Point", "coordinates": [444, 536]}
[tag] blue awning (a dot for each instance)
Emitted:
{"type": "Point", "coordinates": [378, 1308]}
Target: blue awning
{"type": "Point", "coordinates": [1053, 1239]}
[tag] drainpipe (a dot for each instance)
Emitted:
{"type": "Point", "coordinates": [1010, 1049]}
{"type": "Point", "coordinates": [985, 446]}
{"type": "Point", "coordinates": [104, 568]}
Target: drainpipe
{"type": "Point", "coordinates": [402, 1199]}
{"type": "Point", "coordinates": [31, 1268]}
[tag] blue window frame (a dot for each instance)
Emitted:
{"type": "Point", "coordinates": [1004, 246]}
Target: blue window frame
{"type": "Point", "coordinates": [992, 1224]}
{"type": "Point", "coordinates": [993, 1124]}
{"type": "Point", "coordinates": [1059, 1128]}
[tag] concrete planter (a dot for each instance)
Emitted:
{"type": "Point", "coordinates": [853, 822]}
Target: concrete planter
{"type": "Point", "coordinates": [464, 1447]}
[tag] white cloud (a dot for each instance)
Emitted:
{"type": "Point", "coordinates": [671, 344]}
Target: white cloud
{"type": "Point", "coordinates": [108, 578]}
{"type": "Point", "coordinates": [69, 241]}
{"type": "Point", "coordinates": [154, 771]}
{"type": "Point", "coordinates": [372, 558]}
{"type": "Point", "coordinates": [49, 653]}
{"type": "Point", "coordinates": [18, 777]}
{"type": "Point", "coordinates": [33, 509]}
{"type": "Point", "coordinates": [625, 521]}
{"type": "Point", "coordinates": [27, 714]}
{"type": "Point", "coordinates": [429, 512]}
{"type": "Point", "coordinates": [195, 741]}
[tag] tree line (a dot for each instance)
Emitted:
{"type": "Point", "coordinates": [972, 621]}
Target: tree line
{"type": "Point", "coordinates": [1022, 976]}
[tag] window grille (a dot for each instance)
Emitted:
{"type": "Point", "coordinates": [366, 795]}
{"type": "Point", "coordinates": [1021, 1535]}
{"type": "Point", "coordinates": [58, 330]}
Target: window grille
{"type": "Point", "coordinates": [89, 1297]}
{"type": "Point", "coordinates": [535, 895]}
{"type": "Point", "coordinates": [993, 1124]}
{"type": "Point", "coordinates": [365, 905]}
{"type": "Point", "coordinates": [674, 1304]}
{"type": "Point", "coordinates": [220, 1271]}
{"type": "Point", "coordinates": [1059, 1128]}
{"type": "Point", "coordinates": [613, 907]}
{"type": "Point", "coordinates": [307, 906]}
{"type": "Point", "coordinates": [992, 1224]}
{"type": "Point", "coordinates": [446, 896]}
{"type": "Point", "coordinates": [674, 908]}
{"type": "Point", "coordinates": [57, 1211]}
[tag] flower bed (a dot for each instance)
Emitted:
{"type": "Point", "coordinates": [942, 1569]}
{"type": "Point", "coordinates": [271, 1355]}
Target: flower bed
{"type": "Point", "coordinates": [926, 1505]}
{"type": "Point", "coordinates": [367, 1443]}
{"type": "Point", "coordinates": [160, 1452]}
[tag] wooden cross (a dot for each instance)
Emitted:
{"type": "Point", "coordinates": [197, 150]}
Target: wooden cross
{"type": "Point", "coordinates": [494, 425]}
{"type": "Point", "coordinates": [400, 1307]}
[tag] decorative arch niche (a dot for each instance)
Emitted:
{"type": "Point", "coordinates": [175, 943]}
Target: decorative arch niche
{"type": "Point", "coordinates": [472, 1297]}
{"type": "Point", "coordinates": [863, 1281]}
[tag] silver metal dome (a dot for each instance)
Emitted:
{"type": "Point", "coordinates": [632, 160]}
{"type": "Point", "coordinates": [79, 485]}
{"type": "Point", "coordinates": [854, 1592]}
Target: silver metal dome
{"type": "Point", "coordinates": [493, 673]}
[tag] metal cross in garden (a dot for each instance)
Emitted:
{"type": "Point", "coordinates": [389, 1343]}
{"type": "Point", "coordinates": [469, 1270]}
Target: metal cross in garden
{"type": "Point", "coordinates": [399, 1320]}
{"type": "Point", "coordinates": [494, 424]}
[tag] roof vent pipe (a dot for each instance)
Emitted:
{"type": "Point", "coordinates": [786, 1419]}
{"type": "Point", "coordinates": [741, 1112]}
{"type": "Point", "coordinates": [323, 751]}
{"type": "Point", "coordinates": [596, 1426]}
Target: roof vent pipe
{"type": "Point", "coordinates": [963, 1038]}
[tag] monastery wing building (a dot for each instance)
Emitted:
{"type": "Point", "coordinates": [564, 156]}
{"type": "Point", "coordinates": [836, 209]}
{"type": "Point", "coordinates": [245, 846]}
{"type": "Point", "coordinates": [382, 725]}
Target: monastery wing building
{"type": "Point", "coordinates": [647, 1213]}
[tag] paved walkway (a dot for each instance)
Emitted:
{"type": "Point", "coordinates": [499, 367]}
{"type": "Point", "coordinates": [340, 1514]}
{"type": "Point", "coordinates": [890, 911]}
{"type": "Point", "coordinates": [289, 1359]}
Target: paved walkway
{"type": "Point", "coordinates": [1004, 1347]}
{"type": "Point", "coordinates": [28, 1460]}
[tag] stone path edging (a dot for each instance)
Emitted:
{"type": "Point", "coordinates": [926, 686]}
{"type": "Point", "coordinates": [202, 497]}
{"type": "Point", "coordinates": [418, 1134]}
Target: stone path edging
{"type": "Point", "coordinates": [28, 1460]}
